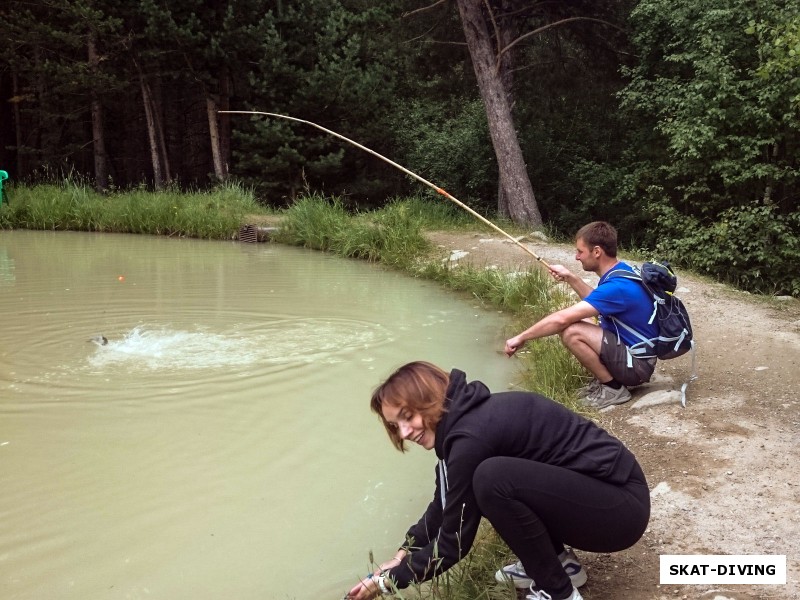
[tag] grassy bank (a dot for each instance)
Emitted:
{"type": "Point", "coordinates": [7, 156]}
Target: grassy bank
{"type": "Point", "coordinates": [72, 206]}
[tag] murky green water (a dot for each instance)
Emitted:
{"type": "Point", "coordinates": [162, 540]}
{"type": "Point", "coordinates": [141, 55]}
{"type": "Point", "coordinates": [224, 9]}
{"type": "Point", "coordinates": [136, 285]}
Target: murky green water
{"type": "Point", "coordinates": [220, 445]}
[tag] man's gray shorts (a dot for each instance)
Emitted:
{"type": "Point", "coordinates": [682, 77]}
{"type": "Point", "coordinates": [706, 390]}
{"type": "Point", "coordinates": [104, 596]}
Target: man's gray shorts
{"type": "Point", "coordinates": [614, 355]}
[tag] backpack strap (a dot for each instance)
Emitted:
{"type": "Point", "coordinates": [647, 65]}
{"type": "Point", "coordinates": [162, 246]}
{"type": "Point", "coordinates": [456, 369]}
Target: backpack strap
{"type": "Point", "coordinates": [641, 348]}
{"type": "Point", "coordinates": [692, 377]}
{"type": "Point", "coordinates": [635, 276]}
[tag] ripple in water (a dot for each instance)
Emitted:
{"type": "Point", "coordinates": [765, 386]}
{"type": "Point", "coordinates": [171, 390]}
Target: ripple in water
{"type": "Point", "coordinates": [285, 342]}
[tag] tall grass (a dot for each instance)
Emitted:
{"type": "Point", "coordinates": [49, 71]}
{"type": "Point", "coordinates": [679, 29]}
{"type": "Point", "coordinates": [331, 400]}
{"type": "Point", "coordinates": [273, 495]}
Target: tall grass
{"type": "Point", "coordinates": [548, 368]}
{"type": "Point", "coordinates": [392, 235]}
{"type": "Point", "coordinates": [472, 578]}
{"type": "Point", "coordinates": [438, 213]}
{"type": "Point", "coordinates": [72, 205]}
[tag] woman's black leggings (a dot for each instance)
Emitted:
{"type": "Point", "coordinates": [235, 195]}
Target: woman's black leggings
{"type": "Point", "coordinates": [537, 508]}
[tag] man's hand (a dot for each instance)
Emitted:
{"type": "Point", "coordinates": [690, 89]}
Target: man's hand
{"type": "Point", "coordinates": [513, 344]}
{"type": "Point", "coordinates": [560, 272]}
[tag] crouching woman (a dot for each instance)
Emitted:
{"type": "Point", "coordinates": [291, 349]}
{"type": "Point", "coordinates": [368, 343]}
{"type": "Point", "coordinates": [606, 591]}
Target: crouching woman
{"type": "Point", "coordinates": [542, 475]}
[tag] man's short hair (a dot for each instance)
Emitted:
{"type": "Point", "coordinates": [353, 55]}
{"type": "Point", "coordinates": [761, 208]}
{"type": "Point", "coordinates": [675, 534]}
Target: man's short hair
{"type": "Point", "coordinates": [599, 233]}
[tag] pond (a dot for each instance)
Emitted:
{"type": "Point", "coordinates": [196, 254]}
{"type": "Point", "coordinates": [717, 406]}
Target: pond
{"type": "Point", "coordinates": [220, 445]}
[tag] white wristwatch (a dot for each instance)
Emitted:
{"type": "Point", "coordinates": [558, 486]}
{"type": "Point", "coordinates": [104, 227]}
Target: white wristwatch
{"type": "Point", "coordinates": [382, 585]}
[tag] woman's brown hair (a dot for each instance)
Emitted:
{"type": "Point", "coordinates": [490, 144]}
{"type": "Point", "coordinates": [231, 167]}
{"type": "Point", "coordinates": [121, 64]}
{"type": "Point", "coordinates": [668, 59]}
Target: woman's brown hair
{"type": "Point", "coordinates": [420, 386]}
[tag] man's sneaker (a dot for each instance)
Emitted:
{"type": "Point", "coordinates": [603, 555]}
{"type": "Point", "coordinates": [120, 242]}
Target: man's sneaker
{"type": "Point", "coordinates": [588, 389]}
{"type": "Point", "coordinates": [542, 595]}
{"type": "Point", "coordinates": [606, 396]}
{"type": "Point", "coordinates": [516, 572]}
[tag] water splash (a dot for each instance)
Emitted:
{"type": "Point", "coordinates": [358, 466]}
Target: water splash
{"type": "Point", "coordinates": [283, 342]}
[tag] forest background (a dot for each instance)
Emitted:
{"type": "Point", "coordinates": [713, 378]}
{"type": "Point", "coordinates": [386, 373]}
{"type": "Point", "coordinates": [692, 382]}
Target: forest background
{"type": "Point", "coordinates": [677, 121]}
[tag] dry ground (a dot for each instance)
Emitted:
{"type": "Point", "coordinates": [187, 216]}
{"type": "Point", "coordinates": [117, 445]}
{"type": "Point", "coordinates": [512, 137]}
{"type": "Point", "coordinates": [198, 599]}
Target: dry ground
{"type": "Point", "coordinates": [723, 471]}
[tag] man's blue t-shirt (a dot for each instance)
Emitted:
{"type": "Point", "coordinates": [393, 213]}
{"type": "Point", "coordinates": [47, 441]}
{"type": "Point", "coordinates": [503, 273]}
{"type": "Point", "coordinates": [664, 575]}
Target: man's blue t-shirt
{"type": "Point", "coordinates": [625, 299]}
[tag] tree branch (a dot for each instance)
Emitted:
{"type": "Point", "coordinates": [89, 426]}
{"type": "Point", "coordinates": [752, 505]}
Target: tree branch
{"type": "Point", "coordinates": [494, 26]}
{"type": "Point", "coordinates": [550, 25]}
{"type": "Point", "coordinates": [423, 9]}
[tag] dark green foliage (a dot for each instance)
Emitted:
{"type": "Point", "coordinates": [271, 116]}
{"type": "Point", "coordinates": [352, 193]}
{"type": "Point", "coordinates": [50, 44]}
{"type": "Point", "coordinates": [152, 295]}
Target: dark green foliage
{"type": "Point", "coordinates": [574, 137]}
{"type": "Point", "coordinates": [324, 62]}
{"type": "Point", "coordinates": [189, 52]}
{"type": "Point", "coordinates": [779, 50]}
{"type": "Point", "coordinates": [449, 146]}
{"type": "Point", "coordinates": [721, 178]}
{"type": "Point", "coordinates": [45, 45]}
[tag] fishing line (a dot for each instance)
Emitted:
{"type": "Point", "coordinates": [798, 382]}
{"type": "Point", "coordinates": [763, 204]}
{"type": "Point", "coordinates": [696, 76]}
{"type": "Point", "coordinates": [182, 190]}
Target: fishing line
{"type": "Point", "coordinates": [439, 190]}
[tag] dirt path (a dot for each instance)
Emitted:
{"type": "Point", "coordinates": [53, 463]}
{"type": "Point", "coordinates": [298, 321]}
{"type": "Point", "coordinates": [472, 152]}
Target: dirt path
{"type": "Point", "coordinates": [723, 471]}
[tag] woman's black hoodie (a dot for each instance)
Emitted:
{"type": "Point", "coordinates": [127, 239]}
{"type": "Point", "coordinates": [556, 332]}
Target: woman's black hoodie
{"type": "Point", "coordinates": [478, 425]}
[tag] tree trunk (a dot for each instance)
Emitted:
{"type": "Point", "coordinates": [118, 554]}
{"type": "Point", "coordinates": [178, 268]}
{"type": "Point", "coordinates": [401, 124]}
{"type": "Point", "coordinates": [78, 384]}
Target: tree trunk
{"type": "Point", "coordinates": [98, 133]}
{"type": "Point", "coordinates": [41, 143]}
{"type": "Point", "coordinates": [213, 131]}
{"type": "Point", "coordinates": [225, 120]}
{"type": "Point", "coordinates": [506, 33]}
{"type": "Point", "coordinates": [157, 104]}
{"type": "Point", "coordinates": [158, 178]}
{"type": "Point", "coordinates": [516, 186]}
{"type": "Point", "coordinates": [22, 163]}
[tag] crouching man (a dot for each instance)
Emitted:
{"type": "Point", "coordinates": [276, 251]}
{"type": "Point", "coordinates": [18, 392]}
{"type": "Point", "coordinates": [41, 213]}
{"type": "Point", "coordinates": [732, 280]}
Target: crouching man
{"type": "Point", "coordinates": [604, 349]}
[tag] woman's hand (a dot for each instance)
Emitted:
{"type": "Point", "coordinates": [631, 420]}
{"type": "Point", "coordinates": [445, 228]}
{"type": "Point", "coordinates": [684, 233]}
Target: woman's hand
{"type": "Point", "coordinates": [390, 564]}
{"type": "Point", "coordinates": [366, 589]}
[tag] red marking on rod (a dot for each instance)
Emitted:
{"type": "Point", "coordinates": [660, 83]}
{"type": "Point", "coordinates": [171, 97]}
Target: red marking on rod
{"type": "Point", "coordinates": [442, 192]}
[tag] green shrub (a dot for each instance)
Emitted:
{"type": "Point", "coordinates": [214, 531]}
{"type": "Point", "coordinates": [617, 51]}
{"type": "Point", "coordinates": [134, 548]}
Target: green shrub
{"type": "Point", "coordinates": [754, 247]}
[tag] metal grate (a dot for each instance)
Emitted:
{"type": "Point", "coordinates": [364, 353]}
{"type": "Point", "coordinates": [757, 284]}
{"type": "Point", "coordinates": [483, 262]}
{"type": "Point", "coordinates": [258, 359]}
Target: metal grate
{"type": "Point", "coordinates": [248, 234]}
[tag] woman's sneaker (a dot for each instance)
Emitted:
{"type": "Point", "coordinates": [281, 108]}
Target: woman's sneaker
{"type": "Point", "coordinates": [542, 595]}
{"type": "Point", "coordinates": [574, 569]}
{"type": "Point", "coordinates": [516, 572]}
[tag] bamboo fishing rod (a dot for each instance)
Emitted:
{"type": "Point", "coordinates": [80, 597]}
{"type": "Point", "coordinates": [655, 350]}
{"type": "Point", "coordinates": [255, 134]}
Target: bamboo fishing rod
{"type": "Point", "coordinates": [439, 190]}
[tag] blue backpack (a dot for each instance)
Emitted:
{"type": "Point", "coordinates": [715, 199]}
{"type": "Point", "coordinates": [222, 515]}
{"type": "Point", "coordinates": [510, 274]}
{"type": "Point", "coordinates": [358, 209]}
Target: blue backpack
{"type": "Point", "coordinates": [675, 337]}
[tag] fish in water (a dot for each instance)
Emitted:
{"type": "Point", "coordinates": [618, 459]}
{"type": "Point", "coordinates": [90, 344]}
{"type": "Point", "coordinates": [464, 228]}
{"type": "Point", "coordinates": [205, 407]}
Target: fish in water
{"type": "Point", "coordinates": [100, 340]}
